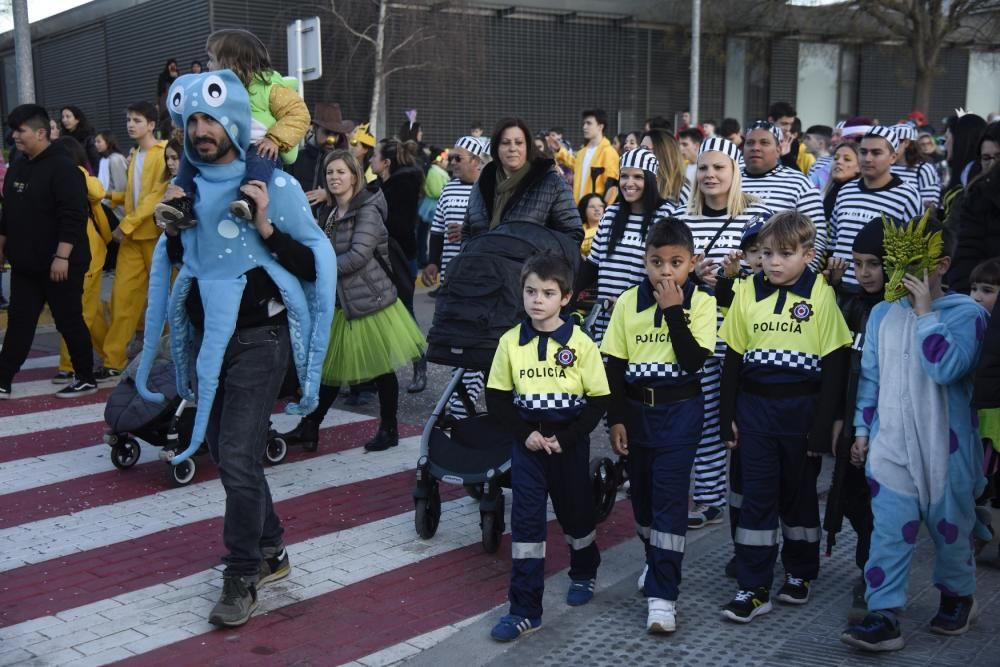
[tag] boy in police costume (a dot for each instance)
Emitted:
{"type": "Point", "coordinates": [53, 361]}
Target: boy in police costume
{"type": "Point", "coordinates": [660, 334]}
{"type": "Point", "coordinates": [780, 383]}
{"type": "Point", "coordinates": [548, 388]}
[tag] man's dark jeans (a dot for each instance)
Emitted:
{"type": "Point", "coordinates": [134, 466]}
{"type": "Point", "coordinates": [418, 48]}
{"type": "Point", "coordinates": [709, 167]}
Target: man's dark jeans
{"type": "Point", "coordinates": [252, 371]}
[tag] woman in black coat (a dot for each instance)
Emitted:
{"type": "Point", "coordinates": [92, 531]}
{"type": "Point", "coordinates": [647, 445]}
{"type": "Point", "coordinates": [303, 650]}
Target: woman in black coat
{"type": "Point", "coordinates": [74, 123]}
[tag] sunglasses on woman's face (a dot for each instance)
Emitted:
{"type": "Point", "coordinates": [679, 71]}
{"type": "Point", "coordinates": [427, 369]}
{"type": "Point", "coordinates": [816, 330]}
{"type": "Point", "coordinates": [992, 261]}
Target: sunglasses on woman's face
{"type": "Point", "coordinates": [454, 158]}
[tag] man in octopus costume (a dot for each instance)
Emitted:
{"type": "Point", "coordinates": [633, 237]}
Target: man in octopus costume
{"type": "Point", "coordinates": [244, 344]}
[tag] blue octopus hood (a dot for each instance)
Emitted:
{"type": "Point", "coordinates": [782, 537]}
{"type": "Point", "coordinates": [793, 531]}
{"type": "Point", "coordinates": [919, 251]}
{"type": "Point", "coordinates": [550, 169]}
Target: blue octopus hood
{"type": "Point", "coordinates": [221, 248]}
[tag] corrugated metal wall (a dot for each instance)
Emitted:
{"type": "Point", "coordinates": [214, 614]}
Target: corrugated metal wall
{"type": "Point", "coordinates": [483, 64]}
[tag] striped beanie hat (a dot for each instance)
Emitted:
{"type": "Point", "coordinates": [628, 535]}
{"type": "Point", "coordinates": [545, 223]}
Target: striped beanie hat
{"type": "Point", "coordinates": [640, 158]}
{"type": "Point", "coordinates": [474, 145]}
{"type": "Point", "coordinates": [886, 133]}
{"type": "Point", "coordinates": [722, 145]}
{"type": "Point", "coordinates": [905, 131]}
{"type": "Point", "coordinates": [764, 125]}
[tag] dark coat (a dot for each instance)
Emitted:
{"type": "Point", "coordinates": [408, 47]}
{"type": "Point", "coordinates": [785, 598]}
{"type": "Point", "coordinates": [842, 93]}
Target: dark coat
{"type": "Point", "coordinates": [542, 197]}
{"type": "Point", "coordinates": [986, 393]}
{"type": "Point", "coordinates": [402, 196]}
{"type": "Point", "coordinates": [977, 218]}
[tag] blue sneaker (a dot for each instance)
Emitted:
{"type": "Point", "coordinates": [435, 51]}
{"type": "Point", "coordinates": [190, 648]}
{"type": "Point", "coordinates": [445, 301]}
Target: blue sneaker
{"type": "Point", "coordinates": [581, 591]}
{"type": "Point", "coordinates": [511, 627]}
{"type": "Point", "coordinates": [876, 633]}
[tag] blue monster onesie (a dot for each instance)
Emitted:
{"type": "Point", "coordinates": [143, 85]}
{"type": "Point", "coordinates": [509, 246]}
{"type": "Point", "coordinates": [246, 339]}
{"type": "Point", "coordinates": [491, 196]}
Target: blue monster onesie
{"type": "Point", "coordinates": [221, 249]}
{"type": "Point", "coordinates": [924, 459]}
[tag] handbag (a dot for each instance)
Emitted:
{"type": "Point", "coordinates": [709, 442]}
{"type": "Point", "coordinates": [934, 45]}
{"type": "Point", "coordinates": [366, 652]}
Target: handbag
{"type": "Point", "coordinates": [398, 270]}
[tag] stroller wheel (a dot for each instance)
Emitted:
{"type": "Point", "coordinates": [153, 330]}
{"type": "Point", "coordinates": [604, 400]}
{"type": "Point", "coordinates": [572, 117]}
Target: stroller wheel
{"type": "Point", "coordinates": [125, 454]}
{"type": "Point", "coordinates": [277, 450]}
{"type": "Point", "coordinates": [492, 531]}
{"type": "Point", "coordinates": [428, 514]}
{"type": "Point", "coordinates": [605, 484]}
{"type": "Point", "coordinates": [474, 491]}
{"type": "Point", "coordinates": [182, 473]}
{"type": "Point", "coordinates": [621, 470]}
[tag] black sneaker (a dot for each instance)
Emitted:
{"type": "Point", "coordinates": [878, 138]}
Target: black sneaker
{"type": "Point", "coordinates": [748, 604]}
{"type": "Point", "coordinates": [877, 632]}
{"type": "Point", "coordinates": [700, 516]}
{"type": "Point", "coordinates": [243, 207]}
{"type": "Point", "coordinates": [175, 214]}
{"type": "Point", "coordinates": [955, 615]}
{"type": "Point", "coordinates": [383, 440]}
{"type": "Point", "coordinates": [236, 605]}
{"type": "Point", "coordinates": [78, 388]}
{"type": "Point", "coordinates": [62, 377]}
{"type": "Point", "coordinates": [4, 391]}
{"type": "Point", "coordinates": [107, 375]}
{"type": "Point", "coordinates": [794, 590]}
{"type": "Point", "coordinates": [274, 568]}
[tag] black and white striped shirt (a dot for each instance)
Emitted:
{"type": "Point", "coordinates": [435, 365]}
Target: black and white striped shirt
{"type": "Point", "coordinates": [785, 189]}
{"type": "Point", "coordinates": [624, 266]}
{"type": "Point", "coordinates": [857, 205]}
{"type": "Point", "coordinates": [704, 228]}
{"type": "Point", "coordinates": [923, 178]}
{"type": "Point", "coordinates": [819, 173]}
{"type": "Point", "coordinates": [451, 208]}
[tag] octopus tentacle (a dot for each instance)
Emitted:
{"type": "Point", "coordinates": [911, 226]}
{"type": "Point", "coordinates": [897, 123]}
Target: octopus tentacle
{"type": "Point", "coordinates": [156, 309]}
{"type": "Point", "coordinates": [221, 302]}
{"type": "Point", "coordinates": [180, 337]}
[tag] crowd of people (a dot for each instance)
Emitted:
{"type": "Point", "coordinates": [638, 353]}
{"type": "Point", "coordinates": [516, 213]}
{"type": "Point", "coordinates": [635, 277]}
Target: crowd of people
{"type": "Point", "coordinates": [769, 295]}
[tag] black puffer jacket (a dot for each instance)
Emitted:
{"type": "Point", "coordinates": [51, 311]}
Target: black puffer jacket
{"type": "Point", "coordinates": [976, 217]}
{"type": "Point", "coordinates": [542, 197]}
{"type": "Point", "coordinates": [986, 393]}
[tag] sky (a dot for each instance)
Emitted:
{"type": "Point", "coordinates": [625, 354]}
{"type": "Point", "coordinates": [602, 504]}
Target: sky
{"type": "Point", "coordinates": [37, 10]}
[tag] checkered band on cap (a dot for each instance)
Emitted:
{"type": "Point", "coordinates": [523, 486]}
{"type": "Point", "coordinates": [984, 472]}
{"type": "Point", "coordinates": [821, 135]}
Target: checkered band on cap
{"type": "Point", "coordinates": [764, 125]}
{"type": "Point", "coordinates": [886, 133]}
{"type": "Point", "coordinates": [640, 158]}
{"type": "Point", "coordinates": [474, 145]}
{"type": "Point", "coordinates": [905, 131]}
{"type": "Point", "coordinates": [721, 145]}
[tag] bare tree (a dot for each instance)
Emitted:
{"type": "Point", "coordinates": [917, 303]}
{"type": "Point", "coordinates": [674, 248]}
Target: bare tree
{"type": "Point", "coordinates": [927, 26]}
{"type": "Point", "coordinates": [388, 60]}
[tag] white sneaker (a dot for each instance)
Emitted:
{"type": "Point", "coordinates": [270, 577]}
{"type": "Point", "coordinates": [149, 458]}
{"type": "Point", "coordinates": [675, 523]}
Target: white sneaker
{"type": "Point", "coordinates": [662, 617]}
{"type": "Point", "coordinates": [641, 583]}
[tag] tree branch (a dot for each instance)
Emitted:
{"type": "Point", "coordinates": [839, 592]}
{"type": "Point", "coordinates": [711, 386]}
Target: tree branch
{"type": "Point", "coordinates": [400, 68]}
{"type": "Point", "coordinates": [347, 26]}
{"type": "Point", "coordinates": [413, 39]}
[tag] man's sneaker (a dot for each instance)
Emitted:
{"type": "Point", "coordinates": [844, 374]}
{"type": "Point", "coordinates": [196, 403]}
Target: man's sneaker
{"type": "Point", "coordinates": [243, 207]}
{"type": "Point", "coordinates": [731, 568]}
{"type": "Point", "coordinates": [876, 632]}
{"type": "Point", "coordinates": [580, 592]}
{"type": "Point", "coordinates": [274, 568]}
{"type": "Point", "coordinates": [511, 627]}
{"type": "Point", "coordinates": [237, 603]}
{"type": "Point", "coordinates": [662, 616]}
{"type": "Point", "coordinates": [62, 377]}
{"type": "Point", "coordinates": [794, 590]}
{"type": "Point", "coordinates": [859, 608]}
{"type": "Point", "coordinates": [955, 615]}
{"type": "Point", "coordinates": [175, 215]}
{"type": "Point", "coordinates": [748, 604]}
{"type": "Point", "coordinates": [703, 515]}
{"type": "Point", "coordinates": [107, 375]}
{"type": "Point", "coordinates": [4, 391]}
{"type": "Point", "coordinates": [641, 582]}
{"type": "Point", "coordinates": [78, 388]}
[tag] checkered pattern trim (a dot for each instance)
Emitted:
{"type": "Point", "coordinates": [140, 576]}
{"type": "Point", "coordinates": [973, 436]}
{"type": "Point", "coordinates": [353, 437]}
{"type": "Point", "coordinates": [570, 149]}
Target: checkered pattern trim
{"type": "Point", "coordinates": [783, 359]}
{"type": "Point", "coordinates": [640, 158]}
{"type": "Point", "coordinates": [886, 133]}
{"type": "Point", "coordinates": [548, 401]}
{"type": "Point", "coordinates": [654, 370]}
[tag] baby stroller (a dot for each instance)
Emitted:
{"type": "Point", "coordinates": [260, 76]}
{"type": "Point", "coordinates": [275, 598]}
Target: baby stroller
{"type": "Point", "coordinates": [480, 301]}
{"type": "Point", "coordinates": [167, 425]}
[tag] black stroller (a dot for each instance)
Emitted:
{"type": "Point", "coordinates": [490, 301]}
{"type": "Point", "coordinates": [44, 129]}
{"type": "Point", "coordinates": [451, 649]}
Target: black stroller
{"type": "Point", "coordinates": [480, 301]}
{"type": "Point", "coordinates": [168, 425]}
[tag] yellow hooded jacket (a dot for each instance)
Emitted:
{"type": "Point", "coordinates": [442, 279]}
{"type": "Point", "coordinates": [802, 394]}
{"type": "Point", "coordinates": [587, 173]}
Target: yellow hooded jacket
{"type": "Point", "coordinates": [138, 222]}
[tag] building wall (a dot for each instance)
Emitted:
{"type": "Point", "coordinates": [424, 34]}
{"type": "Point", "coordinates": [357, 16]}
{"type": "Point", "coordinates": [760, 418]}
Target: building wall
{"type": "Point", "coordinates": [478, 65]}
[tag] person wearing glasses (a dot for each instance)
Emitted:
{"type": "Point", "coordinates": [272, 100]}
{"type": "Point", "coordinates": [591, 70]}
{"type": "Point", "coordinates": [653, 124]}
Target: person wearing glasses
{"type": "Point", "coordinates": [976, 214]}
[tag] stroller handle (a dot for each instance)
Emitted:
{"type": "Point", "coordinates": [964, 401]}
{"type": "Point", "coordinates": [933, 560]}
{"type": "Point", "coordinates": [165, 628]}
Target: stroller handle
{"type": "Point", "coordinates": [595, 312]}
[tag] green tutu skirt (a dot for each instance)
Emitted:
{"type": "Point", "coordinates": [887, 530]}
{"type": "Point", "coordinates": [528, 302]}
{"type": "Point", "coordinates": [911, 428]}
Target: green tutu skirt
{"type": "Point", "coordinates": [376, 344]}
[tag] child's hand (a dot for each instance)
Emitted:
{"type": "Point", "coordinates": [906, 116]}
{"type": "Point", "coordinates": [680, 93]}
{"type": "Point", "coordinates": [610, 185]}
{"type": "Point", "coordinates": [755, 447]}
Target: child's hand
{"type": "Point", "coordinates": [537, 442]}
{"type": "Point", "coordinates": [859, 451]}
{"type": "Point", "coordinates": [173, 192]}
{"type": "Point", "coordinates": [920, 293]}
{"type": "Point", "coordinates": [835, 269]}
{"type": "Point", "coordinates": [118, 235]}
{"type": "Point", "coordinates": [668, 294]}
{"type": "Point", "coordinates": [619, 439]}
{"type": "Point", "coordinates": [705, 270]}
{"type": "Point", "coordinates": [267, 149]}
{"type": "Point", "coordinates": [734, 443]}
{"type": "Point", "coordinates": [731, 263]}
